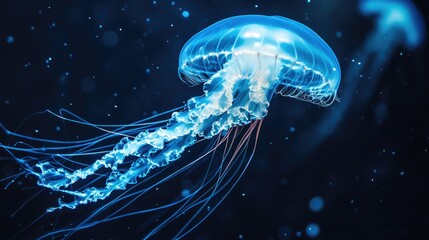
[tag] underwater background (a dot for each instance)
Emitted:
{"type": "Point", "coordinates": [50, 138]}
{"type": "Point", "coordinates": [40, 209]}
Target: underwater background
{"type": "Point", "coordinates": [114, 62]}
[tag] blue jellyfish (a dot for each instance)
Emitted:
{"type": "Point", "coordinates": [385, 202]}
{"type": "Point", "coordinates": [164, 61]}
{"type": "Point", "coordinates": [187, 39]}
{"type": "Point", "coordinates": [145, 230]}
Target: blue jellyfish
{"type": "Point", "coordinates": [241, 62]}
{"type": "Point", "coordinates": [397, 22]}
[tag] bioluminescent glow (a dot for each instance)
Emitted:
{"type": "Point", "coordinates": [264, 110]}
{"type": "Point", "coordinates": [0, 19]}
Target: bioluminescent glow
{"type": "Point", "coordinates": [397, 22]}
{"type": "Point", "coordinates": [242, 62]}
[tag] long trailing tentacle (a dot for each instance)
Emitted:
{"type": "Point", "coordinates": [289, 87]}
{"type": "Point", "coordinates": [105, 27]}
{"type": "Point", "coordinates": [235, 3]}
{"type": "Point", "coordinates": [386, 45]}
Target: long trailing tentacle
{"type": "Point", "coordinates": [227, 102]}
{"type": "Point", "coordinates": [229, 157]}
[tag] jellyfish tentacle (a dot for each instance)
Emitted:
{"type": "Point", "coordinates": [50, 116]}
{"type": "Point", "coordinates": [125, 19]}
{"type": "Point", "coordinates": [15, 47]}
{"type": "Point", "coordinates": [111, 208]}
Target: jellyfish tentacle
{"type": "Point", "coordinates": [229, 100]}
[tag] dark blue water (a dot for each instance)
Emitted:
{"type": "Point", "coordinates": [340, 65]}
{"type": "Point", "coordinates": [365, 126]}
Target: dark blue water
{"type": "Point", "coordinates": [116, 62]}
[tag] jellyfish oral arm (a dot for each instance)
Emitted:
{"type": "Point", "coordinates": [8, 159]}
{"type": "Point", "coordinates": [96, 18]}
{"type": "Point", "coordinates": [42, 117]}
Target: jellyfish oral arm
{"type": "Point", "coordinates": [235, 96]}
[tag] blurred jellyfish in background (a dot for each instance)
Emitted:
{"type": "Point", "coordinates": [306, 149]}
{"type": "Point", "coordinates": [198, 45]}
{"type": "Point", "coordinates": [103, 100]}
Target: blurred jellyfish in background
{"type": "Point", "coordinates": [397, 23]}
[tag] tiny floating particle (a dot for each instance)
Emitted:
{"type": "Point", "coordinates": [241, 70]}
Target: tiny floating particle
{"type": "Point", "coordinates": [185, 14]}
{"type": "Point", "coordinates": [10, 39]}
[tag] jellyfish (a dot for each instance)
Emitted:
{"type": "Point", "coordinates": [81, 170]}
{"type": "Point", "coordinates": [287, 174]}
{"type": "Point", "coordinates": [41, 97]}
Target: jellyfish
{"type": "Point", "coordinates": [397, 22]}
{"type": "Point", "coordinates": [241, 62]}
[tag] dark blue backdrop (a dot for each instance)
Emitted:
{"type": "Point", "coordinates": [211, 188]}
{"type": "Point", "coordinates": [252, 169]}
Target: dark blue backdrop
{"type": "Point", "coordinates": [116, 62]}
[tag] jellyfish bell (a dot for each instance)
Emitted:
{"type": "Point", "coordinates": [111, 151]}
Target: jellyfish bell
{"type": "Point", "coordinates": [276, 54]}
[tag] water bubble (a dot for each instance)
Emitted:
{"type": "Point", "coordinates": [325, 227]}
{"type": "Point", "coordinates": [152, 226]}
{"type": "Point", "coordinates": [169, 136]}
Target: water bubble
{"type": "Point", "coordinates": [185, 192]}
{"type": "Point", "coordinates": [316, 204]}
{"type": "Point", "coordinates": [10, 39]}
{"type": "Point", "coordinates": [312, 230]}
{"type": "Point", "coordinates": [338, 34]}
{"type": "Point", "coordinates": [185, 14]}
